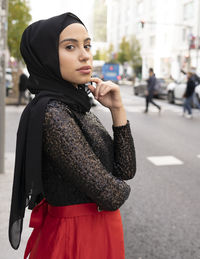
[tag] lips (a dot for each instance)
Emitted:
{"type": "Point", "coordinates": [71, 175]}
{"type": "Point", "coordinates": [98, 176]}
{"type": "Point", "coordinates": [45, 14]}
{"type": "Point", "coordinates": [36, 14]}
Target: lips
{"type": "Point", "coordinates": [84, 69]}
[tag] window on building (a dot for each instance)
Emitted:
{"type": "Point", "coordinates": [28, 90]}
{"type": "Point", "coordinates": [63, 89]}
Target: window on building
{"type": "Point", "coordinates": [152, 41]}
{"type": "Point", "coordinates": [152, 4]}
{"type": "Point", "coordinates": [184, 35]}
{"type": "Point", "coordinates": [188, 10]}
{"type": "Point", "coordinates": [140, 8]}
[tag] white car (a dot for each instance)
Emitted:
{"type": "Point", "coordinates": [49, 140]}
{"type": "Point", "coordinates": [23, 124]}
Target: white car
{"type": "Point", "coordinates": [8, 81]}
{"type": "Point", "coordinates": [176, 90]}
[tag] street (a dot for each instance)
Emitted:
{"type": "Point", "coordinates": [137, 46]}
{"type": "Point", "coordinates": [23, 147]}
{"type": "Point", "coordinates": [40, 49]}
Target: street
{"type": "Point", "coordinates": [162, 215]}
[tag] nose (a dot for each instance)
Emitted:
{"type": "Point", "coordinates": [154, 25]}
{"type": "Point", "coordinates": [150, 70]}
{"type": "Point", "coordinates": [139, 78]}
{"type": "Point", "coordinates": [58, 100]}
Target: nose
{"type": "Point", "coordinates": [84, 54]}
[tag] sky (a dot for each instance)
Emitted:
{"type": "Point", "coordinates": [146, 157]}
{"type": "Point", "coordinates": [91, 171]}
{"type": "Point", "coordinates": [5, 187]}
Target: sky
{"type": "Point", "coordinates": [42, 9]}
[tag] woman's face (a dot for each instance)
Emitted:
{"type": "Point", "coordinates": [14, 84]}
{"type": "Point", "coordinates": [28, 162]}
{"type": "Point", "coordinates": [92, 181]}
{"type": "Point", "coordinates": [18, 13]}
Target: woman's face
{"type": "Point", "coordinates": [75, 55]}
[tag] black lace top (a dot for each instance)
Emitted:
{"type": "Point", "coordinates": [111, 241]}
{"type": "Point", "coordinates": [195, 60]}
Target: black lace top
{"type": "Point", "coordinates": [81, 163]}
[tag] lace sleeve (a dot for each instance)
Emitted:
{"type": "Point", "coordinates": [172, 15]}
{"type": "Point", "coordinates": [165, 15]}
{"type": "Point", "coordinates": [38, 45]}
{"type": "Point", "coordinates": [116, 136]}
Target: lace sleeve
{"type": "Point", "coordinates": [69, 151]}
{"type": "Point", "coordinates": [124, 153]}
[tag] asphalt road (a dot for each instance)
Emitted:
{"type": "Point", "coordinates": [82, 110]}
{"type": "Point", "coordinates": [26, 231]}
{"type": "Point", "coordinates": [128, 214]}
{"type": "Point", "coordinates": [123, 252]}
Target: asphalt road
{"type": "Point", "coordinates": [162, 215]}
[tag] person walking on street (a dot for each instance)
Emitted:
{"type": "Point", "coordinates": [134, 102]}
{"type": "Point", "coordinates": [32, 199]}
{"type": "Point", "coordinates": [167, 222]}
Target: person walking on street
{"type": "Point", "coordinates": [68, 169]}
{"type": "Point", "coordinates": [196, 100]}
{"type": "Point", "coordinates": [188, 95]}
{"type": "Point", "coordinates": [151, 84]}
{"type": "Point", "coordinates": [196, 80]}
{"type": "Point", "coordinates": [22, 87]}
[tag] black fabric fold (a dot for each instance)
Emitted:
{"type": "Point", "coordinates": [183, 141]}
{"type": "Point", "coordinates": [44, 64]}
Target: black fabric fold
{"type": "Point", "coordinates": [46, 82]}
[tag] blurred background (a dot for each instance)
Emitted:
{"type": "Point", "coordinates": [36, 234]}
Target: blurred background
{"type": "Point", "coordinates": [162, 216]}
{"type": "Point", "coordinates": [133, 35]}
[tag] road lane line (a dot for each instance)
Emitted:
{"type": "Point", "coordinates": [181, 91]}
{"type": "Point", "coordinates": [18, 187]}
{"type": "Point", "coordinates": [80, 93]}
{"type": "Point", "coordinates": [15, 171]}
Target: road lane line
{"type": "Point", "coordinates": [164, 160]}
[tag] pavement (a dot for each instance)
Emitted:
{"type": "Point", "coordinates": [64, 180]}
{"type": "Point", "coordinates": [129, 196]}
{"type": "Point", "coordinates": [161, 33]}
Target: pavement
{"type": "Point", "coordinates": [12, 118]}
{"type": "Point", "coordinates": [162, 215]}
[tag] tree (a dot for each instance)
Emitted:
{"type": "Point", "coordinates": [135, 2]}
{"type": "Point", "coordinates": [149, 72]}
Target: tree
{"type": "Point", "coordinates": [18, 19]}
{"type": "Point", "coordinates": [112, 56]}
{"type": "Point", "coordinates": [136, 59]}
{"type": "Point", "coordinates": [124, 54]}
{"type": "Point", "coordinates": [97, 55]}
{"type": "Point", "coordinates": [101, 54]}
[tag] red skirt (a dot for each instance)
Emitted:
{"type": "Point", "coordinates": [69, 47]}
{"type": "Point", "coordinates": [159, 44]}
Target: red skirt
{"type": "Point", "coordinates": [75, 232]}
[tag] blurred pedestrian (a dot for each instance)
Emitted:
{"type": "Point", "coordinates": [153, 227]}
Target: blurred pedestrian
{"type": "Point", "coordinates": [68, 169]}
{"type": "Point", "coordinates": [188, 95]}
{"type": "Point", "coordinates": [196, 80]}
{"type": "Point", "coordinates": [22, 87]}
{"type": "Point", "coordinates": [151, 85]}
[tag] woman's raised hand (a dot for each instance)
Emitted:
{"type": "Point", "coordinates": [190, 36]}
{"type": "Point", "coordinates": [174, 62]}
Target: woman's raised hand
{"type": "Point", "coordinates": [107, 93]}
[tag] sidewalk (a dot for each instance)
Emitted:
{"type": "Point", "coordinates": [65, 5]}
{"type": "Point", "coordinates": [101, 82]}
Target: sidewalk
{"type": "Point", "coordinates": [7, 252]}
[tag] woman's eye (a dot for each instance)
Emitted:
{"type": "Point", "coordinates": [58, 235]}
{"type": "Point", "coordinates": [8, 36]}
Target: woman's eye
{"type": "Point", "coordinates": [88, 46]}
{"type": "Point", "coordinates": [70, 47]}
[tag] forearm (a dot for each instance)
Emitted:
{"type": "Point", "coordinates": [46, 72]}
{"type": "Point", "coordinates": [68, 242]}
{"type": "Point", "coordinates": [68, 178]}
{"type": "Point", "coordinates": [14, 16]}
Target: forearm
{"type": "Point", "coordinates": [118, 116]}
{"type": "Point", "coordinates": [124, 153]}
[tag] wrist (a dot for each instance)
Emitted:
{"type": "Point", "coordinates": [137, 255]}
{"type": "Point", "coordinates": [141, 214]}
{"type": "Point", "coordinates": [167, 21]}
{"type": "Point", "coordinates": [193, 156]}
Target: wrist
{"type": "Point", "coordinates": [118, 116]}
{"type": "Point", "coordinates": [117, 109]}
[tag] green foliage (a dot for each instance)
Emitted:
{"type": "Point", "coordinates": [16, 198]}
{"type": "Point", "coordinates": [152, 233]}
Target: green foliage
{"type": "Point", "coordinates": [18, 19]}
{"type": "Point", "coordinates": [110, 50]}
{"type": "Point", "coordinates": [101, 55]}
{"type": "Point", "coordinates": [124, 54]}
{"type": "Point", "coordinates": [112, 56]}
{"type": "Point", "coordinates": [104, 55]}
{"type": "Point", "coordinates": [97, 55]}
{"type": "Point", "coordinates": [136, 59]}
{"type": "Point", "coordinates": [108, 56]}
{"type": "Point", "coordinates": [129, 51]}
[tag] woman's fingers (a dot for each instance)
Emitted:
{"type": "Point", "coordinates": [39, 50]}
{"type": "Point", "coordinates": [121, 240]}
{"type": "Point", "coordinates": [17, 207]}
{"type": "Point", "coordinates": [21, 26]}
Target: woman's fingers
{"type": "Point", "coordinates": [95, 80]}
{"type": "Point", "coordinates": [104, 90]}
{"type": "Point", "coordinates": [97, 90]}
{"type": "Point", "coordinates": [92, 88]}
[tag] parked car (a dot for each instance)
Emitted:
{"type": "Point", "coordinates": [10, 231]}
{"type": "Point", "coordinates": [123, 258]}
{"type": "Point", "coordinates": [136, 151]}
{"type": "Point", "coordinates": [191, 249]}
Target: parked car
{"type": "Point", "coordinates": [140, 87]}
{"type": "Point", "coordinates": [9, 81]}
{"type": "Point", "coordinates": [176, 90]}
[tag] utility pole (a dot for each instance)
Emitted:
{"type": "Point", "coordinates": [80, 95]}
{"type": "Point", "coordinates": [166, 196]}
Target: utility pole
{"type": "Point", "coordinates": [3, 43]}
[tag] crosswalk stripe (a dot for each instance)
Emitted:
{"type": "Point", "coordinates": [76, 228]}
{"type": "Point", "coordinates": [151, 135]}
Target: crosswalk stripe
{"type": "Point", "coordinates": [164, 160]}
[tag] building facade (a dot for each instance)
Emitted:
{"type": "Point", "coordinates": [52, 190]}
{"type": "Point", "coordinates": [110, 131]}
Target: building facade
{"type": "Point", "coordinates": [168, 32]}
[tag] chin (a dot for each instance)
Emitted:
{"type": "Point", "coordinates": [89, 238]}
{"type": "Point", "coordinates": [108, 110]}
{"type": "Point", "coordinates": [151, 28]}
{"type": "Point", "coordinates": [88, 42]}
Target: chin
{"type": "Point", "coordinates": [84, 80]}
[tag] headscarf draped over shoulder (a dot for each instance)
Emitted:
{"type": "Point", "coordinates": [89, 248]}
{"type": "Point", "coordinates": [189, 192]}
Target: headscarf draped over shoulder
{"type": "Point", "coordinates": [39, 48]}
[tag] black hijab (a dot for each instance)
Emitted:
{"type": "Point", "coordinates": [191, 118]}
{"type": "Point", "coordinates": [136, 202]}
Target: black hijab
{"type": "Point", "coordinates": [39, 48]}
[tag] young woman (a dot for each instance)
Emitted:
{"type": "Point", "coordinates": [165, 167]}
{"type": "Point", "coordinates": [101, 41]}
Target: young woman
{"type": "Point", "coordinates": [68, 170]}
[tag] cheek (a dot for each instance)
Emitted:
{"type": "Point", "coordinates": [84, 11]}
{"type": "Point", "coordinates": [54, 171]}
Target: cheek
{"type": "Point", "coordinates": [66, 63]}
{"type": "Point", "coordinates": [65, 59]}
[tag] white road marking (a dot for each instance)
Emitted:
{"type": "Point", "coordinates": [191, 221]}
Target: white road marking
{"type": "Point", "coordinates": [164, 160]}
{"type": "Point", "coordinates": [198, 156]}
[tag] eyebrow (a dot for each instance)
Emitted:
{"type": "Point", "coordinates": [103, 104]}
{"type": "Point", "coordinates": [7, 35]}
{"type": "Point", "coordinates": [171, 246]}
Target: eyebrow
{"type": "Point", "coordinates": [74, 40]}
